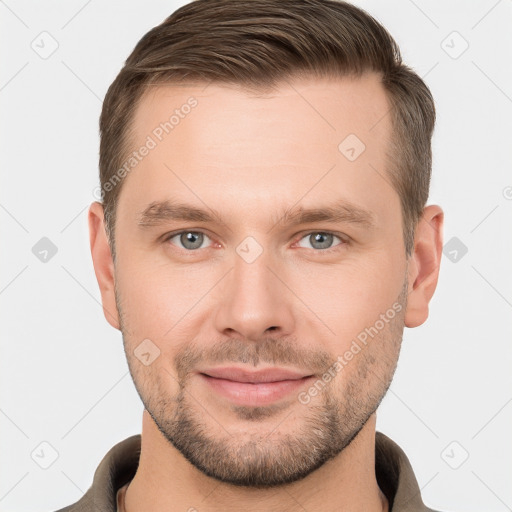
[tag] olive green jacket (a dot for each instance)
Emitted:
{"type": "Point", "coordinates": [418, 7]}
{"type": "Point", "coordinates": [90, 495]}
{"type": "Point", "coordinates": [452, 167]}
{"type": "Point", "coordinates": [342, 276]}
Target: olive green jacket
{"type": "Point", "coordinates": [392, 467]}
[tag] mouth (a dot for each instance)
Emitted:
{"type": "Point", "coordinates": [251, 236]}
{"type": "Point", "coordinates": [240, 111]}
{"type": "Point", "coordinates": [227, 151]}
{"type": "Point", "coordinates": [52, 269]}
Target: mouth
{"type": "Point", "coordinates": [254, 388]}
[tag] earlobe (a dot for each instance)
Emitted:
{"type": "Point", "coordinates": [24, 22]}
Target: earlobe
{"type": "Point", "coordinates": [103, 263]}
{"type": "Point", "coordinates": [424, 265]}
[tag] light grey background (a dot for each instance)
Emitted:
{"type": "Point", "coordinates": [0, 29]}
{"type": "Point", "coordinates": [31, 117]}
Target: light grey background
{"type": "Point", "coordinates": [65, 380]}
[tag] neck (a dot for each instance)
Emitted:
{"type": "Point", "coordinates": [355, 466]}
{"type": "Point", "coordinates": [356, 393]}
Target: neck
{"type": "Point", "coordinates": [166, 481]}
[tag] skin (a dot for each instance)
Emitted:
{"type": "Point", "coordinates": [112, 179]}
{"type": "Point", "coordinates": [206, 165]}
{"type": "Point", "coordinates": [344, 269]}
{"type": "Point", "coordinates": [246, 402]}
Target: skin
{"type": "Point", "coordinates": [249, 157]}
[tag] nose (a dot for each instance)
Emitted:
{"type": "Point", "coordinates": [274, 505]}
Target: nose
{"type": "Point", "coordinates": [254, 301]}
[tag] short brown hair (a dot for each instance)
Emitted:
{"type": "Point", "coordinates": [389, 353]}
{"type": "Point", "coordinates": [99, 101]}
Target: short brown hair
{"type": "Point", "coordinates": [256, 44]}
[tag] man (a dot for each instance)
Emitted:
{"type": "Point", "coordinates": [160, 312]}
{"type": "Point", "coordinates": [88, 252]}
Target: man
{"type": "Point", "coordinates": [263, 239]}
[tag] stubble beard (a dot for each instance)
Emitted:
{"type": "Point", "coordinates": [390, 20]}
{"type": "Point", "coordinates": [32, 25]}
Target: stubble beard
{"type": "Point", "coordinates": [280, 451]}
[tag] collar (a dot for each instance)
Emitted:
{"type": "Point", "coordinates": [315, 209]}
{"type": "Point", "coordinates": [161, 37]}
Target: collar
{"type": "Point", "coordinates": [394, 474]}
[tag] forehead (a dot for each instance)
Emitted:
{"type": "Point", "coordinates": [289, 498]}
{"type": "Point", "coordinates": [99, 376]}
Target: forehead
{"type": "Point", "coordinates": [321, 110]}
{"type": "Point", "coordinates": [226, 143]}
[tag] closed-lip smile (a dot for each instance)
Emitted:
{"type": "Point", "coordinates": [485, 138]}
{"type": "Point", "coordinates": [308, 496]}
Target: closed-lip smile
{"type": "Point", "coordinates": [255, 377]}
{"type": "Point", "coordinates": [253, 388]}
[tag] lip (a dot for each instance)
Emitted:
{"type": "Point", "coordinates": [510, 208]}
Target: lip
{"type": "Point", "coordinates": [254, 388]}
{"type": "Point", "coordinates": [257, 377]}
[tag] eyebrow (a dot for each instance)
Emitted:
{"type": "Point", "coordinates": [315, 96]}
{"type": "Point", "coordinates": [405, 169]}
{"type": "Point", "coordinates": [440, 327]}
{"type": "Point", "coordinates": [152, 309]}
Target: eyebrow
{"type": "Point", "coordinates": [161, 212]}
{"type": "Point", "coordinates": [341, 211]}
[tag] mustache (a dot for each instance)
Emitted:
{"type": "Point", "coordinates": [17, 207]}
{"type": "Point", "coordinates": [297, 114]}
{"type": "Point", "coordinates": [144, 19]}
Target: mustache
{"type": "Point", "coordinates": [277, 352]}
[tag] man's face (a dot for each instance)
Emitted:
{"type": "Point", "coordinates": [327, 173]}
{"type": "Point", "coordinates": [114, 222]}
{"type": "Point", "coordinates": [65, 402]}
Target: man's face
{"type": "Point", "coordinates": [253, 289]}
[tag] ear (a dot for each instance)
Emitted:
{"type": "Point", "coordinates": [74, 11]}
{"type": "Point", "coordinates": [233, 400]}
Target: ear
{"type": "Point", "coordinates": [424, 265]}
{"type": "Point", "coordinates": [103, 263]}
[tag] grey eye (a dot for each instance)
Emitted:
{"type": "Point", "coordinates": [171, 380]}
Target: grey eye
{"type": "Point", "coordinates": [319, 240]}
{"type": "Point", "coordinates": [190, 240]}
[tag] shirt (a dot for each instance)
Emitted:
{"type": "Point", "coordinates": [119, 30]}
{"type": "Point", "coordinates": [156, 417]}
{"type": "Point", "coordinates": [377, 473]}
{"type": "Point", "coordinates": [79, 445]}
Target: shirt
{"type": "Point", "coordinates": [393, 470]}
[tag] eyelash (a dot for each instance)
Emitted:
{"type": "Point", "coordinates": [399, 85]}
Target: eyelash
{"type": "Point", "coordinates": [342, 238]}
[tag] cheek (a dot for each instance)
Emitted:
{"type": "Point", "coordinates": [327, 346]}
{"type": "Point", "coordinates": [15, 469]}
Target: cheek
{"type": "Point", "coordinates": [349, 296]}
{"type": "Point", "coordinates": [158, 301]}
